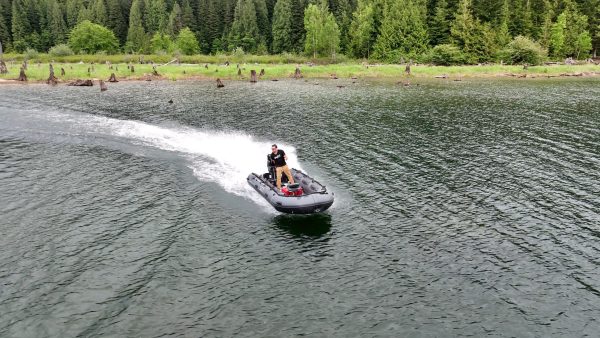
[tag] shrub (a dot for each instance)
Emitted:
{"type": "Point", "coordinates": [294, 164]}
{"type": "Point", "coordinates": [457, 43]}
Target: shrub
{"type": "Point", "coordinates": [447, 55]}
{"type": "Point", "coordinates": [61, 50]}
{"type": "Point", "coordinates": [186, 42]}
{"type": "Point", "coordinates": [523, 50]}
{"type": "Point", "coordinates": [31, 54]}
{"type": "Point", "coordinates": [161, 42]}
{"type": "Point", "coordinates": [92, 38]}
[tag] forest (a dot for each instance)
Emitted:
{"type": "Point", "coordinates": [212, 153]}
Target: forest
{"type": "Point", "coordinates": [446, 31]}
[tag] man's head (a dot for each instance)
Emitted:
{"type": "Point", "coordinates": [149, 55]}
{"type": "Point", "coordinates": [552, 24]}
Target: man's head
{"type": "Point", "coordinates": [274, 148]}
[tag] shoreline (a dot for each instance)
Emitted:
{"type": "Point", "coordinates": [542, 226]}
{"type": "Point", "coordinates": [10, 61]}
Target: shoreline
{"type": "Point", "coordinates": [38, 73]}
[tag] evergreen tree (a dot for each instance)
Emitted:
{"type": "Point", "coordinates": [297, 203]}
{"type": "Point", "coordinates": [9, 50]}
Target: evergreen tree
{"type": "Point", "coordinates": [4, 31]}
{"type": "Point", "coordinates": [155, 15]}
{"type": "Point", "coordinates": [56, 23]}
{"type": "Point", "coordinates": [503, 33]}
{"type": "Point", "coordinates": [263, 22]}
{"type": "Point", "coordinates": [363, 30]}
{"type": "Point", "coordinates": [477, 40]}
{"type": "Point", "coordinates": [546, 28]}
{"type": "Point", "coordinates": [99, 13]}
{"type": "Point", "coordinates": [439, 26]}
{"type": "Point", "coordinates": [72, 12]}
{"type": "Point", "coordinates": [115, 19]}
{"type": "Point", "coordinates": [136, 36]}
{"type": "Point", "coordinates": [187, 16]}
{"type": "Point", "coordinates": [342, 11]}
{"type": "Point", "coordinates": [282, 27]}
{"type": "Point", "coordinates": [21, 27]}
{"type": "Point", "coordinates": [244, 30]}
{"type": "Point", "coordinates": [175, 21]}
{"type": "Point", "coordinates": [298, 31]}
{"type": "Point", "coordinates": [85, 14]}
{"type": "Point", "coordinates": [402, 32]}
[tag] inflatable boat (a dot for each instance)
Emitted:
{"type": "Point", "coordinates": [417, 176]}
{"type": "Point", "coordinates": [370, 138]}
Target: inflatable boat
{"type": "Point", "coordinates": [305, 196]}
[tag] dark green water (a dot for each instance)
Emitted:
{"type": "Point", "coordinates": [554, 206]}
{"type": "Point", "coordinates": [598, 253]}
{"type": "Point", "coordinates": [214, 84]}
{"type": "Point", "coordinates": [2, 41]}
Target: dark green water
{"type": "Point", "coordinates": [462, 208]}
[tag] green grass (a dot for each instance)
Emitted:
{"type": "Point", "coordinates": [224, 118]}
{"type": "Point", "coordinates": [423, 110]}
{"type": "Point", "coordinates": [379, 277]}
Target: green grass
{"type": "Point", "coordinates": [273, 70]}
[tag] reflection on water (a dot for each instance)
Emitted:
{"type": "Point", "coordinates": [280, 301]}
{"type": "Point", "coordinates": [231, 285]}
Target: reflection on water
{"type": "Point", "coordinates": [314, 226]}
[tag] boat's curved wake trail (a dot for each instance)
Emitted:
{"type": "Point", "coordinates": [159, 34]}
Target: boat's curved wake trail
{"type": "Point", "coordinates": [225, 158]}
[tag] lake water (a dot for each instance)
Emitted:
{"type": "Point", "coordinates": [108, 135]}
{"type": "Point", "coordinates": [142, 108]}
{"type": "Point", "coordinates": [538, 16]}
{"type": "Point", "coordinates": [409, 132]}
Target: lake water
{"type": "Point", "coordinates": [462, 208]}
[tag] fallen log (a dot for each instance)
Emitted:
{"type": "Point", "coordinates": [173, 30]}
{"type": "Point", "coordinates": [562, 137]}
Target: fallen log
{"type": "Point", "coordinates": [220, 83]}
{"type": "Point", "coordinates": [103, 86]}
{"type": "Point", "coordinates": [81, 83]}
{"type": "Point", "coordinates": [113, 78]}
{"type": "Point", "coordinates": [253, 76]}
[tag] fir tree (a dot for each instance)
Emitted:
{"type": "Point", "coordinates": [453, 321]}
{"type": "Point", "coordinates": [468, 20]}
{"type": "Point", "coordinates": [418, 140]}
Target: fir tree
{"type": "Point", "coordinates": [99, 12]}
{"type": "Point", "coordinates": [322, 31]}
{"type": "Point", "coordinates": [4, 31]}
{"type": "Point", "coordinates": [244, 30]}
{"type": "Point", "coordinates": [187, 16]}
{"type": "Point", "coordinates": [402, 32]}
{"type": "Point", "coordinates": [439, 27]}
{"type": "Point", "coordinates": [72, 11]}
{"type": "Point", "coordinates": [136, 37]}
{"type": "Point", "coordinates": [155, 15]}
{"type": "Point", "coordinates": [115, 19]}
{"type": "Point", "coordinates": [56, 23]}
{"type": "Point", "coordinates": [282, 27]}
{"type": "Point", "coordinates": [363, 30]}
{"type": "Point", "coordinates": [503, 32]}
{"type": "Point", "coordinates": [175, 21]}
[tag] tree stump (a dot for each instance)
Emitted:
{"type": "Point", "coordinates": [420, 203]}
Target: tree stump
{"type": "Point", "coordinates": [525, 67]}
{"type": "Point", "coordinates": [89, 71]}
{"type": "Point", "coordinates": [3, 68]}
{"type": "Point", "coordinates": [205, 66]}
{"type": "Point", "coordinates": [253, 76]}
{"type": "Point", "coordinates": [113, 78]}
{"type": "Point", "coordinates": [239, 72]}
{"type": "Point", "coordinates": [154, 71]}
{"type": "Point", "coordinates": [297, 73]}
{"type": "Point", "coordinates": [22, 76]}
{"type": "Point", "coordinates": [407, 69]}
{"type": "Point", "coordinates": [220, 83]}
{"type": "Point", "coordinates": [51, 78]}
{"type": "Point", "coordinates": [62, 71]}
{"type": "Point", "coordinates": [132, 69]}
{"type": "Point", "coordinates": [25, 64]}
{"type": "Point", "coordinates": [103, 86]}
{"type": "Point", "coordinates": [262, 72]}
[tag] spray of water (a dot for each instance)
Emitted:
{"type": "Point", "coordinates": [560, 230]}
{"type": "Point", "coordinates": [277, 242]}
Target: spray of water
{"type": "Point", "coordinates": [225, 158]}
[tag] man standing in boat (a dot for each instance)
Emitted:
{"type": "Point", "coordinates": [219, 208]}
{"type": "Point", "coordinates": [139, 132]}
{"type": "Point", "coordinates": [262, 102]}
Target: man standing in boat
{"type": "Point", "coordinates": [278, 157]}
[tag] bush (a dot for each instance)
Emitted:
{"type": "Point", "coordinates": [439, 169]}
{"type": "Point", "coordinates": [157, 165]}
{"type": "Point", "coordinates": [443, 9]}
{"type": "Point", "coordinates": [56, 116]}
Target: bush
{"type": "Point", "coordinates": [187, 43]}
{"type": "Point", "coordinates": [447, 55]}
{"type": "Point", "coordinates": [31, 54]}
{"type": "Point", "coordinates": [61, 50]}
{"type": "Point", "coordinates": [161, 42]}
{"type": "Point", "coordinates": [92, 38]}
{"type": "Point", "coordinates": [523, 50]}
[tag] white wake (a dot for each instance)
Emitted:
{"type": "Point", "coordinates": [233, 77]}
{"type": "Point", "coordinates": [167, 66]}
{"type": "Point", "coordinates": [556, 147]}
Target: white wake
{"type": "Point", "coordinates": [225, 158]}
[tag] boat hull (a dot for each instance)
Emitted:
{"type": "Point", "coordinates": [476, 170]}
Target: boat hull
{"type": "Point", "coordinates": [315, 199]}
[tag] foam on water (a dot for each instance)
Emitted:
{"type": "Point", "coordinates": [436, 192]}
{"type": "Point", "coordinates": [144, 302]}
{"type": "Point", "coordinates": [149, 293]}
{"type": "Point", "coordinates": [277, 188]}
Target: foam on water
{"type": "Point", "coordinates": [225, 158]}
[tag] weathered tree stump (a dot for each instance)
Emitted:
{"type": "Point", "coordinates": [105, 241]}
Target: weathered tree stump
{"type": "Point", "coordinates": [62, 71]}
{"type": "Point", "coordinates": [333, 76]}
{"type": "Point", "coordinates": [82, 83]}
{"type": "Point", "coordinates": [262, 72]}
{"type": "Point", "coordinates": [89, 70]}
{"type": "Point", "coordinates": [25, 64]}
{"type": "Point", "coordinates": [239, 72]}
{"type": "Point", "coordinates": [205, 66]}
{"type": "Point", "coordinates": [253, 76]}
{"type": "Point", "coordinates": [220, 83]}
{"type": "Point", "coordinates": [132, 69]}
{"type": "Point", "coordinates": [407, 69]}
{"type": "Point", "coordinates": [525, 67]}
{"type": "Point", "coordinates": [51, 78]}
{"type": "Point", "coordinates": [3, 68]}
{"type": "Point", "coordinates": [297, 73]}
{"type": "Point", "coordinates": [22, 75]}
{"type": "Point", "coordinates": [103, 86]}
{"type": "Point", "coordinates": [154, 71]}
{"type": "Point", "coordinates": [113, 78]}
{"type": "Point", "coordinates": [227, 63]}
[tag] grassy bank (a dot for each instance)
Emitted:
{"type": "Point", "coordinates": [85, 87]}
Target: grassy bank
{"type": "Point", "coordinates": [37, 72]}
